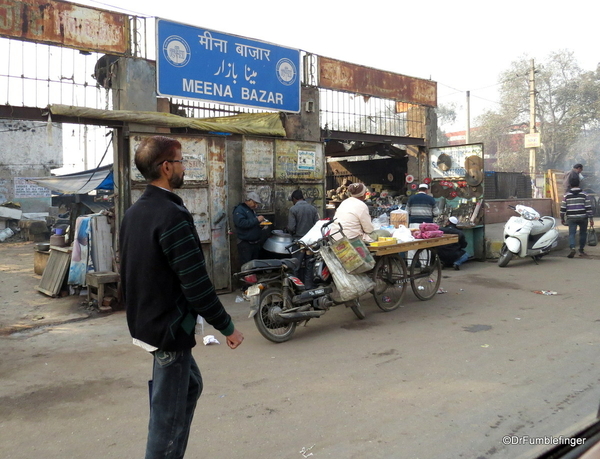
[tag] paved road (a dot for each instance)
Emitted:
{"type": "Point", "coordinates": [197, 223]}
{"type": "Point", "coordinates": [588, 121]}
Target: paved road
{"type": "Point", "coordinates": [446, 378]}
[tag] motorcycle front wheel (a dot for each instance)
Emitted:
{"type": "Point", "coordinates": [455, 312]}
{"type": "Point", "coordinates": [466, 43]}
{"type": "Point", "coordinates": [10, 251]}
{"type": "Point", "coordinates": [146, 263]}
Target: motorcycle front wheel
{"type": "Point", "coordinates": [505, 256]}
{"type": "Point", "coordinates": [266, 318]}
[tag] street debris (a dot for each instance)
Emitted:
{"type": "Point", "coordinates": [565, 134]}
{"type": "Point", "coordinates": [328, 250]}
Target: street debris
{"type": "Point", "coordinates": [239, 299]}
{"type": "Point", "coordinates": [545, 292]}
{"type": "Point", "coordinates": [305, 451]}
{"type": "Point", "coordinates": [441, 290]}
{"type": "Point", "coordinates": [210, 339]}
{"type": "Point", "coordinates": [485, 345]}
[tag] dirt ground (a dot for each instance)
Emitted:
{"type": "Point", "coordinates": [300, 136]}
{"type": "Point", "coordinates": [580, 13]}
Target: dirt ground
{"type": "Point", "coordinates": [22, 307]}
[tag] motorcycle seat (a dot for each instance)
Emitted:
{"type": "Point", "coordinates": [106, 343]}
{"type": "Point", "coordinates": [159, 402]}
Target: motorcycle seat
{"type": "Point", "coordinates": [543, 226]}
{"type": "Point", "coordinates": [291, 263]}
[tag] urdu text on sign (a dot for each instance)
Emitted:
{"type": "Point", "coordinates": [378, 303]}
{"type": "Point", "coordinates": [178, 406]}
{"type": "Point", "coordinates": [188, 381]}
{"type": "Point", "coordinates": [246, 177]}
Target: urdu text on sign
{"type": "Point", "coordinates": [196, 63]}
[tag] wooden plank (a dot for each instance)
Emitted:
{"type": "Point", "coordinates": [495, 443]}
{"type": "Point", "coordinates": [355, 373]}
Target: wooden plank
{"type": "Point", "coordinates": [56, 269]}
{"type": "Point", "coordinates": [414, 245]}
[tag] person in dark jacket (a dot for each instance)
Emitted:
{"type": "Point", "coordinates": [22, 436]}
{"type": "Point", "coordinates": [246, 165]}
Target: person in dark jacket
{"type": "Point", "coordinates": [571, 175]}
{"type": "Point", "coordinates": [576, 212]}
{"type": "Point", "coordinates": [247, 227]}
{"type": "Point", "coordinates": [302, 217]}
{"type": "Point", "coordinates": [165, 287]}
{"type": "Point", "coordinates": [453, 254]}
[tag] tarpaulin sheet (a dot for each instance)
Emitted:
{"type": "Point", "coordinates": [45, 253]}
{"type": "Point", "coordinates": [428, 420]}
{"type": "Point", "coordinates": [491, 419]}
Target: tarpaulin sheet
{"type": "Point", "coordinates": [268, 124]}
{"type": "Point", "coordinates": [78, 183]}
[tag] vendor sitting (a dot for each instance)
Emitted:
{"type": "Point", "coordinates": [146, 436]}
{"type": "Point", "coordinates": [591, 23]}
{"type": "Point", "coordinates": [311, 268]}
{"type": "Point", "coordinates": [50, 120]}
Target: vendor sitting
{"type": "Point", "coordinates": [453, 254]}
{"type": "Point", "coordinates": [353, 214]}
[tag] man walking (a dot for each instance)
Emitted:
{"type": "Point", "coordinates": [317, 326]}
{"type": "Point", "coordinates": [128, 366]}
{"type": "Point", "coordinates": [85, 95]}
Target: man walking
{"type": "Point", "coordinates": [576, 211]}
{"type": "Point", "coordinates": [421, 207]}
{"type": "Point", "coordinates": [247, 227]}
{"type": "Point", "coordinates": [165, 287]}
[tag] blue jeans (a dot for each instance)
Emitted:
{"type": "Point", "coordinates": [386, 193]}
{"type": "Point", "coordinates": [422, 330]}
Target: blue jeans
{"type": "Point", "coordinates": [462, 259]}
{"type": "Point", "coordinates": [573, 224]}
{"type": "Point", "coordinates": [175, 388]}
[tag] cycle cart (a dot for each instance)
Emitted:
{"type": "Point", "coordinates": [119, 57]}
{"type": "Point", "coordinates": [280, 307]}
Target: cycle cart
{"type": "Point", "coordinates": [392, 273]}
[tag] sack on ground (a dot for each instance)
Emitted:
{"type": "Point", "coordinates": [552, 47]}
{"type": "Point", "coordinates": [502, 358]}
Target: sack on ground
{"type": "Point", "coordinates": [592, 238]}
{"type": "Point", "coordinates": [349, 286]}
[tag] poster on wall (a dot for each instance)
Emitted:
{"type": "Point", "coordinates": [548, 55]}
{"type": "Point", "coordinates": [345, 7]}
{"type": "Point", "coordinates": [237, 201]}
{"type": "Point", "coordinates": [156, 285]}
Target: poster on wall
{"type": "Point", "coordinates": [194, 152]}
{"type": "Point", "coordinates": [25, 189]}
{"type": "Point", "coordinates": [306, 160]}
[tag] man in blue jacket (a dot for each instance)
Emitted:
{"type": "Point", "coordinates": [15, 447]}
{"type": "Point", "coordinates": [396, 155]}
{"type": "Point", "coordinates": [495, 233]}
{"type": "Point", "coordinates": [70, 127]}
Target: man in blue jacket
{"type": "Point", "coordinates": [247, 227]}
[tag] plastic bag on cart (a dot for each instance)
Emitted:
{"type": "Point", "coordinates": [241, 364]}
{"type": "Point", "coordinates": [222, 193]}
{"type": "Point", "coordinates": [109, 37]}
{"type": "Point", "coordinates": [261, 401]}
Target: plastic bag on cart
{"type": "Point", "coordinates": [349, 286]}
{"type": "Point", "coordinates": [403, 234]}
{"type": "Point", "coordinates": [382, 220]}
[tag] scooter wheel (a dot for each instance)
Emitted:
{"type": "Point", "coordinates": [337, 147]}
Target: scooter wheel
{"type": "Point", "coordinates": [505, 256]}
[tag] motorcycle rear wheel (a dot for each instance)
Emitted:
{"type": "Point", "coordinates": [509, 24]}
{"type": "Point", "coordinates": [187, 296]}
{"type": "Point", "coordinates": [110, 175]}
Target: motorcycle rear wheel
{"type": "Point", "coordinates": [505, 256]}
{"type": "Point", "coordinates": [271, 327]}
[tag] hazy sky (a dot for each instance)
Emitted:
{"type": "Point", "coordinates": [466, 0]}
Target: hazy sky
{"type": "Point", "coordinates": [461, 44]}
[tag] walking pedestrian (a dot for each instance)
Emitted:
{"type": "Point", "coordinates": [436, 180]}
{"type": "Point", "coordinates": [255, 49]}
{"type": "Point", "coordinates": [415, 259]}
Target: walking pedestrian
{"type": "Point", "coordinates": [165, 288]}
{"type": "Point", "coordinates": [576, 212]}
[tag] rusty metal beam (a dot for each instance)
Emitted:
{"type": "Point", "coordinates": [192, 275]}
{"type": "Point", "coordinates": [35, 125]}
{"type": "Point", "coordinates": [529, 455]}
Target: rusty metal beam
{"type": "Point", "coordinates": [371, 138]}
{"type": "Point", "coordinates": [55, 22]}
{"type": "Point", "coordinates": [358, 79]}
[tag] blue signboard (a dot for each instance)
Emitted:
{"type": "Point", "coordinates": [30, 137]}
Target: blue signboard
{"type": "Point", "coordinates": [195, 63]}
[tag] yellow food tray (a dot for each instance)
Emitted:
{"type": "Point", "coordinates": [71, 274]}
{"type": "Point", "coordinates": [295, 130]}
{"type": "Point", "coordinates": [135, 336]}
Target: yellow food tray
{"type": "Point", "coordinates": [382, 243]}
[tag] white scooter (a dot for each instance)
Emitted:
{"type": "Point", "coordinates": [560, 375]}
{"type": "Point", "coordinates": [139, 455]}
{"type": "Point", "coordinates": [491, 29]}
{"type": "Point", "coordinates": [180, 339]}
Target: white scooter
{"type": "Point", "coordinates": [528, 235]}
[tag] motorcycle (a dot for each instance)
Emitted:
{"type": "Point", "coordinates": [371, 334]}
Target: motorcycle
{"type": "Point", "coordinates": [528, 235]}
{"type": "Point", "coordinates": [279, 300]}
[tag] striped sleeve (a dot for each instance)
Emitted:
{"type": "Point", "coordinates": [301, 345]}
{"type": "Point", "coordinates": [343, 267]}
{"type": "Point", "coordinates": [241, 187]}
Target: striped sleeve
{"type": "Point", "coordinates": [180, 246]}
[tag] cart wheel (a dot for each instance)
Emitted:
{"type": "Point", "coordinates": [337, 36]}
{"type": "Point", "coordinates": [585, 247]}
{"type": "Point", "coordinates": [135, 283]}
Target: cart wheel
{"type": "Point", "coordinates": [425, 274]}
{"type": "Point", "coordinates": [390, 282]}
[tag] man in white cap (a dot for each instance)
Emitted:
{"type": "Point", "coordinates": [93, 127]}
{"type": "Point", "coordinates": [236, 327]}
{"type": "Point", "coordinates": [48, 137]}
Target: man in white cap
{"type": "Point", "coordinates": [247, 227]}
{"type": "Point", "coordinates": [421, 207]}
{"type": "Point", "coordinates": [453, 254]}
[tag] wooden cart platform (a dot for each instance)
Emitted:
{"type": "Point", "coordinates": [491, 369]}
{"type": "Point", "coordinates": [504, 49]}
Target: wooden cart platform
{"type": "Point", "coordinates": [396, 268]}
{"type": "Point", "coordinates": [414, 245]}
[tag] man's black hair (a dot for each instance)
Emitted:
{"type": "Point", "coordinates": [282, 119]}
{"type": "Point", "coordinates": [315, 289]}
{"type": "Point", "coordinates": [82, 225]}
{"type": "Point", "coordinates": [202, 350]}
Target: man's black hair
{"type": "Point", "coordinates": [298, 195]}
